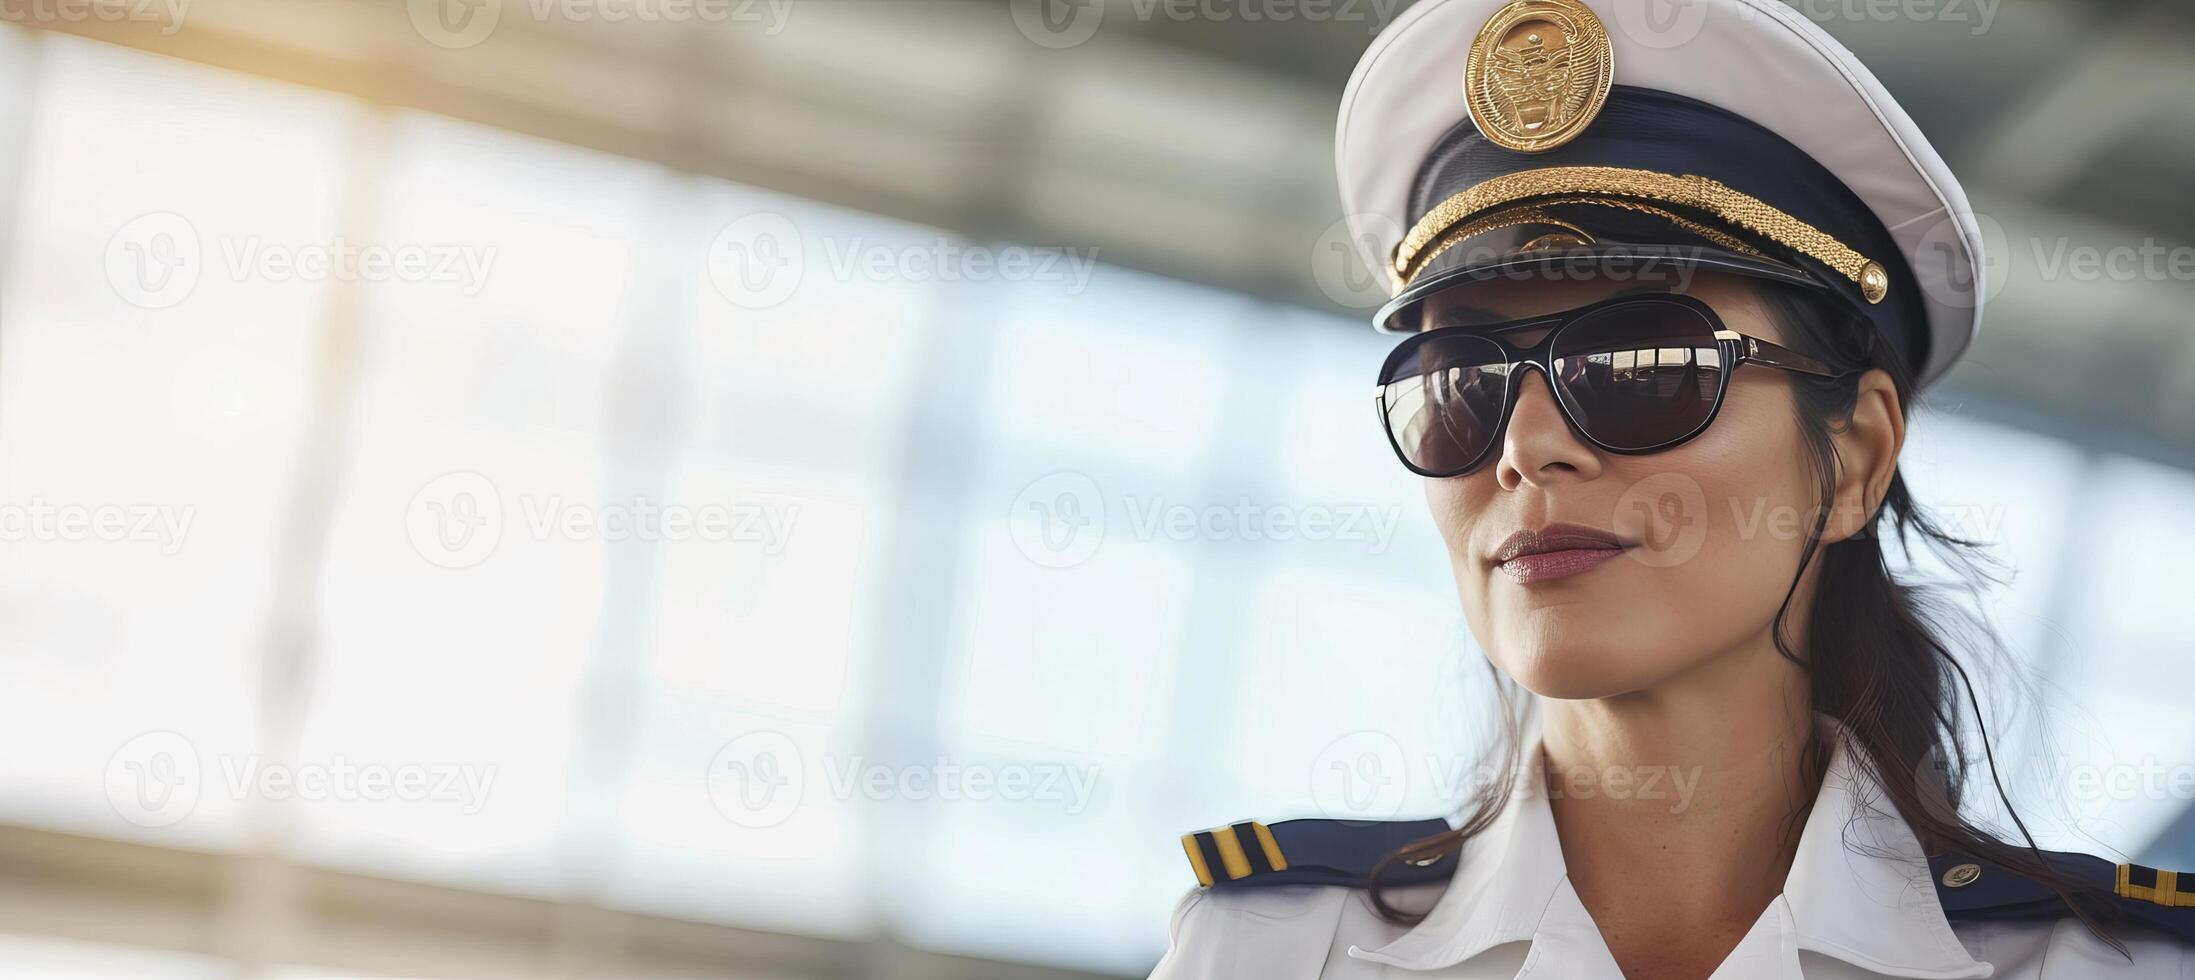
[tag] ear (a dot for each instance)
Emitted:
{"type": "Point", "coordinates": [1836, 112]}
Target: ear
{"type": "Point", "coordinates": [1867, 455]}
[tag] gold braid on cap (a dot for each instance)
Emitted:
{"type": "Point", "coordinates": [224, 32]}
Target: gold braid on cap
{"type": "Point", "coordinates": [1418, 248]}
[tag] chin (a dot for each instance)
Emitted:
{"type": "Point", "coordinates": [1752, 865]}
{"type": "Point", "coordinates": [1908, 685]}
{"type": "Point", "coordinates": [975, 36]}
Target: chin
{"type": "Point", "coordinates": [1599, 661]}
{"type": "Point", "coordinates": [1574, 679]}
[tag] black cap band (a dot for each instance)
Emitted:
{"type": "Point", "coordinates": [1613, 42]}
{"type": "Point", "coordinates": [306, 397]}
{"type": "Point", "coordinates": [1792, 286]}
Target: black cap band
{"type": "Point", "coordinates": [1647, 129]}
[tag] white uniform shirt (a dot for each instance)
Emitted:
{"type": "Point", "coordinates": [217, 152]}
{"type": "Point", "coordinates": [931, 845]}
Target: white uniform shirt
{"type": "Point", "coordinates": [1859, 902]}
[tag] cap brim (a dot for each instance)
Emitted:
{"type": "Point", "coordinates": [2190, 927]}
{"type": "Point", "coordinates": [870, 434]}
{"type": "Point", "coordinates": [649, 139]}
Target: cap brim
{"type": "Point", "coordinates": [1612, 263]}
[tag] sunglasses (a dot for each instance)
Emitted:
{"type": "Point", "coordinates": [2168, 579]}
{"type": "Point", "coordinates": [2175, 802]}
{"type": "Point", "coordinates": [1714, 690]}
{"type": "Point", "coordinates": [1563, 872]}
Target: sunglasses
{"type": "Point", "coordinates": [1633, 375]}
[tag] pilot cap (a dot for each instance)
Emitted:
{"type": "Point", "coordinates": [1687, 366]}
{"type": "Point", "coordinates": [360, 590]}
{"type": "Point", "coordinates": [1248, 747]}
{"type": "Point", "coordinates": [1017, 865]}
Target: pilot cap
{"type": "Point", "coordinates": [1480, 139]}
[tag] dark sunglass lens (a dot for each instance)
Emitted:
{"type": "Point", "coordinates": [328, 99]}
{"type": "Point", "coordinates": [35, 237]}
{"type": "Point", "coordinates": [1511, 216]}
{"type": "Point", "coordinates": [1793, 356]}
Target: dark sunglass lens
{"type": "Point", "coordinates": [1639, 375]}
{"type": "Point", "coordinates": [1442, 401]}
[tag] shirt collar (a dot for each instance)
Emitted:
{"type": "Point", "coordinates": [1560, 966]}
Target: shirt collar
{"type": "Point", "coordinates": [1859, 889]}
{"type": "Point", "coordinates": [1509, 873]}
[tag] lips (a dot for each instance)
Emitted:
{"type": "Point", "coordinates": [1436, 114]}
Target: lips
{"type": "Point", "coordinates": [1556, 551]}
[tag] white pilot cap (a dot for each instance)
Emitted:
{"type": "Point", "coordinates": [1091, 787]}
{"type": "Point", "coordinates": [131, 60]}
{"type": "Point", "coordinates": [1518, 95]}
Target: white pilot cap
{"type": "Point", "coordinates": [1756, 60]}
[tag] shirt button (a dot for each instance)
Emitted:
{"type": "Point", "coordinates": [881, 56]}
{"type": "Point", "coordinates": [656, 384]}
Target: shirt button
{"type": "Point", "coordinates": [1962, 875]}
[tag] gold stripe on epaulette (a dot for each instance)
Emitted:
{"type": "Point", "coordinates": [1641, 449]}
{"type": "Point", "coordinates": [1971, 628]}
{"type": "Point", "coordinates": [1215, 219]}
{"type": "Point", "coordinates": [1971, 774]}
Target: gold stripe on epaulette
{"type": "Point", "coordinates": [1698, 193]}
{"type": "Point", "coordinates": [1272, 847]}
{"type": "Point", "coordinates": [1196, 859]}
{"type": "Point", "coordinates": [2165, 892]}
{"type": "Point", "coordinates": [1230, 852]}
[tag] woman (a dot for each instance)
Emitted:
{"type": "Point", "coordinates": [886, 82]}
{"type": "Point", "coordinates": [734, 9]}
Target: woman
{"type": "Point", "coordinates": [1668, 297]}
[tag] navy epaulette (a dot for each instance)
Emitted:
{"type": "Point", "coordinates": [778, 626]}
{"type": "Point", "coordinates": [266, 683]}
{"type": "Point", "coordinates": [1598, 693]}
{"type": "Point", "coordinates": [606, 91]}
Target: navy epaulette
{"type": "Point", "coordinates": [1313, 852]}
{"type": "Point", "coordinates": [1973, 889]}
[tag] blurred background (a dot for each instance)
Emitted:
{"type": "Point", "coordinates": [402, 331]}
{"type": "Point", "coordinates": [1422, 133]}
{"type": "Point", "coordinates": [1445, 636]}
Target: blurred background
{"type": "Point", "coordinates": [754, 488]}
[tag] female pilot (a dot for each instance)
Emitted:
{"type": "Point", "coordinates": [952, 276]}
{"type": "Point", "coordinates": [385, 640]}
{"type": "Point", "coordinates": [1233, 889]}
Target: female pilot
{"type": "Point", "coordinates": [1668, 281]}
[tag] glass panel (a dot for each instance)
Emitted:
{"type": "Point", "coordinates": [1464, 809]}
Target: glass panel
{"type": "Point", "coordinates": [151, 407]}
{"type": "Point", "coordinates": [482, 429]}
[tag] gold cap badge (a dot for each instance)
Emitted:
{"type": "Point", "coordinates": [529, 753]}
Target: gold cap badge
{"type": "Point", "coordinates": [1538, 73]}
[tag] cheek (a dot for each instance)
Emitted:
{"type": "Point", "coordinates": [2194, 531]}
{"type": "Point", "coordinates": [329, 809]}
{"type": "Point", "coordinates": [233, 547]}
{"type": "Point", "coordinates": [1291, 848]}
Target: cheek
{"type": "Point", "coordinates": [1723, 517]}
{"type": "Point", "coordinates": [1458, 505]}
{"type": "Point", "coordinates": [1722, 520]}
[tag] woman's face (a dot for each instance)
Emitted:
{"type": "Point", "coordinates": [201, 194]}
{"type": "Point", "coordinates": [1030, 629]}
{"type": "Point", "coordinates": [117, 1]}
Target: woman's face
{"type": "Point", "coordinates": [1713, 528]}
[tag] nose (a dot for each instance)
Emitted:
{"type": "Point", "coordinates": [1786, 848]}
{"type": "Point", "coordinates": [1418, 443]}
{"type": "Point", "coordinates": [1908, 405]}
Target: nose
{"type": "Point", "coordinates": [1538, 447]}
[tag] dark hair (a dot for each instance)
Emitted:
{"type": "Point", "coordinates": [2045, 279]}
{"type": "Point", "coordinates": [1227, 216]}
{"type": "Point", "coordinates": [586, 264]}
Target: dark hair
{"type": "Point", "coordinates": [1894, 682]}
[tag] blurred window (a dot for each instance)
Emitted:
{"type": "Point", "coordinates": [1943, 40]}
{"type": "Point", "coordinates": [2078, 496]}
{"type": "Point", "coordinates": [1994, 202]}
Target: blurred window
{"type": "Point", "coordinates": [730, 557]}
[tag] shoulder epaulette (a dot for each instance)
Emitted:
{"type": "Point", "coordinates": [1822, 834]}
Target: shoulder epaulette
{"type": "Point", "coordinates": [1312, 852]}
{"type": "Point", "coordinates": [1973, 889]}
